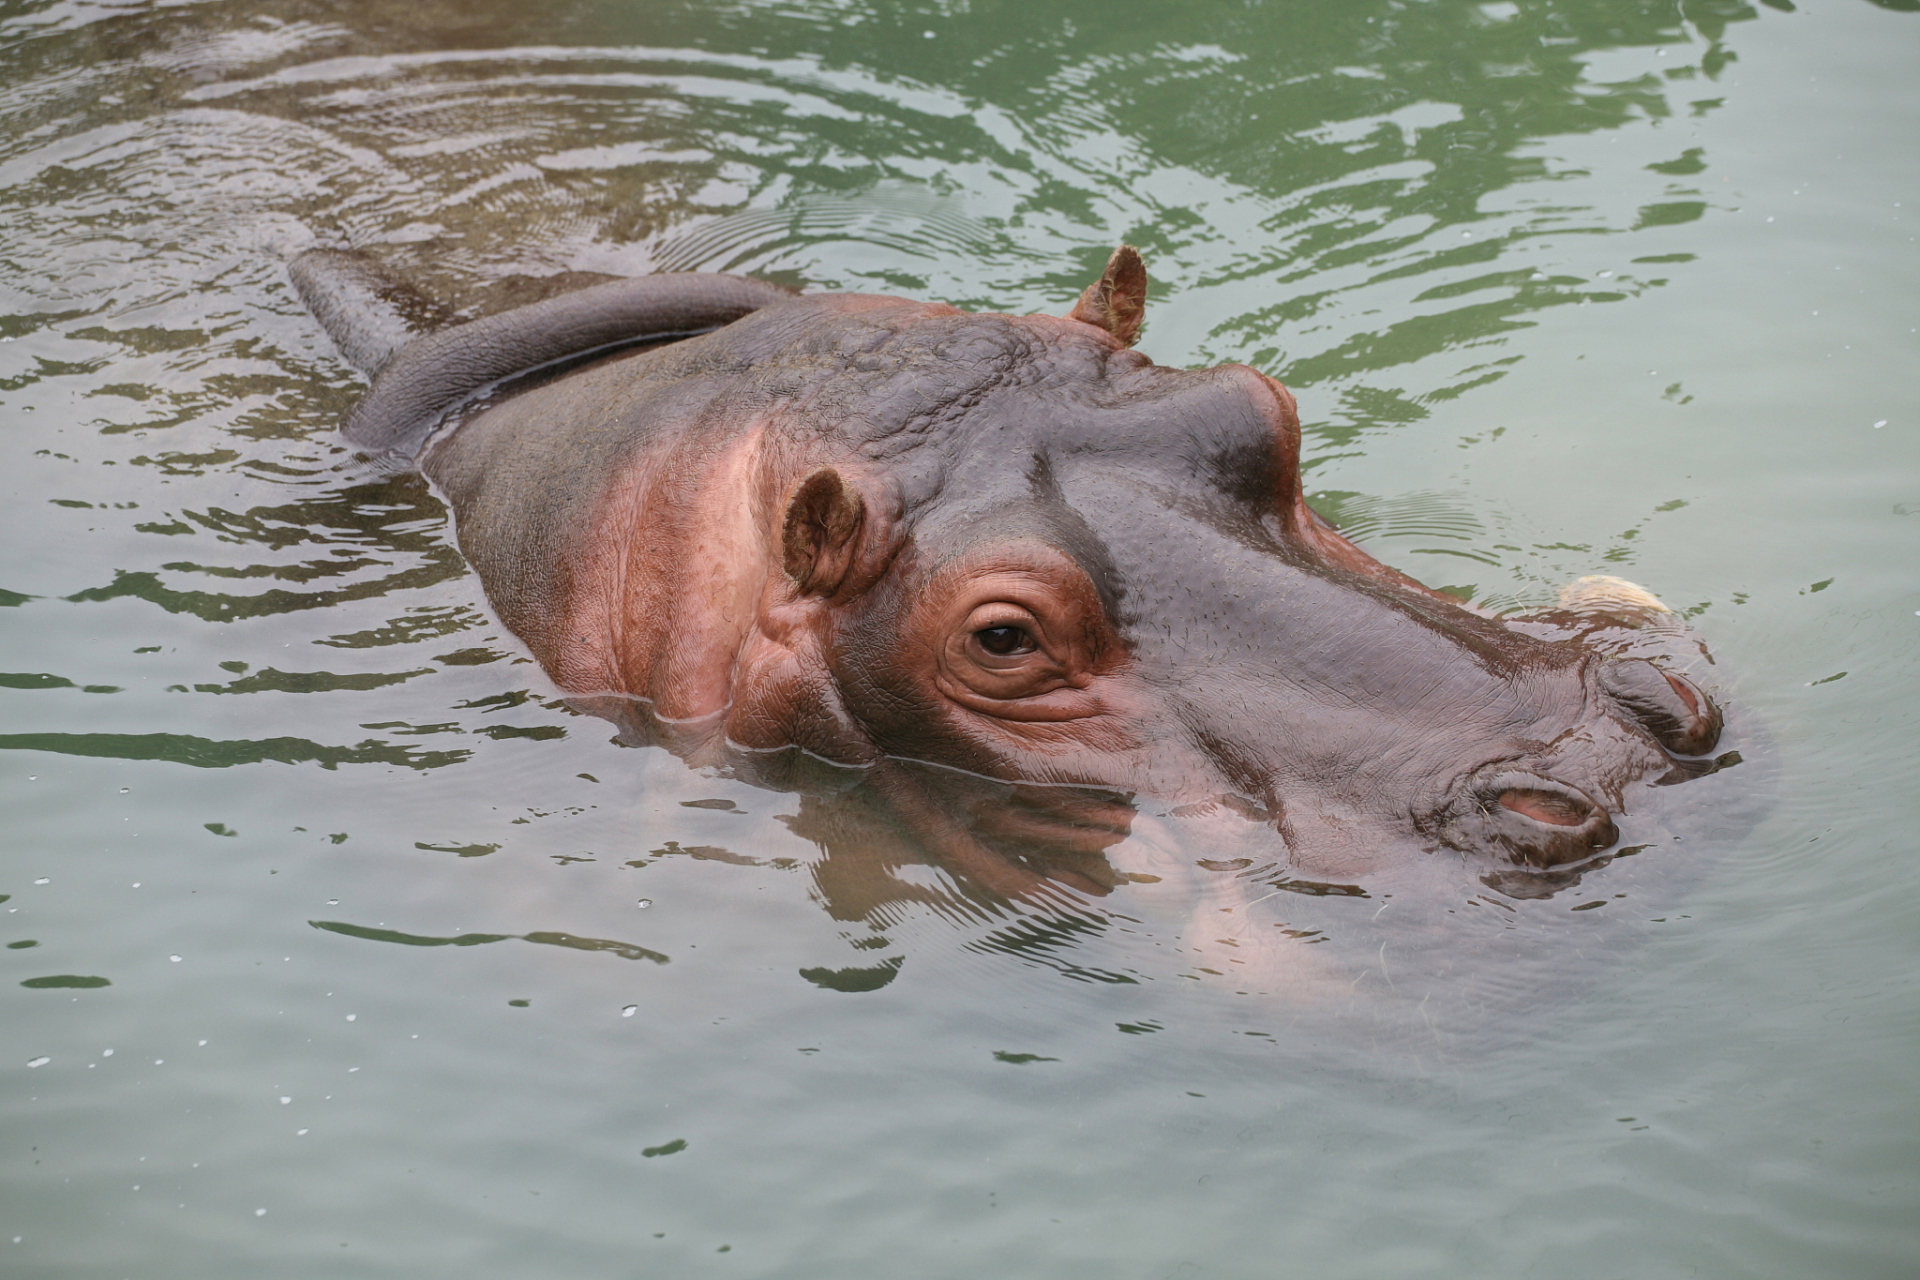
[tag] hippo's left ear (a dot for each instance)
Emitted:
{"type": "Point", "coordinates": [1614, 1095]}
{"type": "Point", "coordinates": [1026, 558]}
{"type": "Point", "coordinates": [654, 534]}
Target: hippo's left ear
{"type": "Point", "coordinates": [1117, 301]}
{"type": "Point", "coordinates": [821, 532]}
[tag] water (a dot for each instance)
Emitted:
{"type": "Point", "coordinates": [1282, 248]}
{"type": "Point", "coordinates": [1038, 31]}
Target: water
{"type": "Point", "coordinates": [412, 971]}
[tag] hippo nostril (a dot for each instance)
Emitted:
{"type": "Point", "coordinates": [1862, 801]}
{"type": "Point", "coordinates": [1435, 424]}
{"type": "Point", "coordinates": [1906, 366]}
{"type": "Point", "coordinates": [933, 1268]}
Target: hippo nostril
{"type": "Point", "coordinates": [1672, 708]}
{"type": "Point", "coordinates": [1533, 819]}
{"type": "Point", "coordinates": [1553, 808]}
{"type": "Point", "coordinates": [1688, 694]}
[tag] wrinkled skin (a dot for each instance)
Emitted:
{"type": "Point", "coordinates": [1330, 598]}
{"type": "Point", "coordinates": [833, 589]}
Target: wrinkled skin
{"type": "Point", "coordinates": [1024, 577]}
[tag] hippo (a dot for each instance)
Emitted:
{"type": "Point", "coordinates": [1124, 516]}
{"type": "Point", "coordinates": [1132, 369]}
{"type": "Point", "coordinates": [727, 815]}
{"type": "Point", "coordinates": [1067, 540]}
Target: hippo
{"type": "Point", "coordinates": [1006, 570]}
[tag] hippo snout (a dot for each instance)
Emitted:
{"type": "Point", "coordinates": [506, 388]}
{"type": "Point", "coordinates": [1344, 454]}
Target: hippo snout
{"type": "Point", "coordinates": [1539, 821]}
{"type": "Point", "coordinates": [1535, 820]}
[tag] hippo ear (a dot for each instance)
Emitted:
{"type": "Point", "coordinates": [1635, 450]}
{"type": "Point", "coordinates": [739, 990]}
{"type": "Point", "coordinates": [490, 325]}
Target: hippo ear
{"type": "Point", "coordinates": [821, 532]}
{"type": "Point", "coordinates": [1117, 301]}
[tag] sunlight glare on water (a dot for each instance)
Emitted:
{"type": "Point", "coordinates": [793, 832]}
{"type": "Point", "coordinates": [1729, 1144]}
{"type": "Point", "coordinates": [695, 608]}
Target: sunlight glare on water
{"type": "Point", "coordinates": [413, 970]}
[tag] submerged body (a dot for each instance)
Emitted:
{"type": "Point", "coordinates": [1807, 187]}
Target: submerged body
{"type": "Point", "coordinates": [1022, 576]}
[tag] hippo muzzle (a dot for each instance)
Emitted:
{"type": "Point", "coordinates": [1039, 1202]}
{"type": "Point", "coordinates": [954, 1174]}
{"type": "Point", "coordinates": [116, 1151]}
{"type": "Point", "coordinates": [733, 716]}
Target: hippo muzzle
{"type": "Point", "coordinates": [1651, 725]}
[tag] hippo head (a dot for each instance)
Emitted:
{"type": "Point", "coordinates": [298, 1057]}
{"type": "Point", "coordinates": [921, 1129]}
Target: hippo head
{"type": "Point", "coordinates": [1032, 556]}
{"type": "Point", "coordinates": [1027, 578]}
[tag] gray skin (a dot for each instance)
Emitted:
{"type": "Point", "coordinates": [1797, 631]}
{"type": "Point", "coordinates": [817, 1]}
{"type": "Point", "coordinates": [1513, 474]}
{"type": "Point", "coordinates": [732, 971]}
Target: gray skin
{"type": "Point", "coordinates": [817, 527]}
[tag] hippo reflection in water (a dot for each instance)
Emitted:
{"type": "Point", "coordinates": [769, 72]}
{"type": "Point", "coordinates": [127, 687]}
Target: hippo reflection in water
{"type": "Point", "coordinates": [1018, 575]}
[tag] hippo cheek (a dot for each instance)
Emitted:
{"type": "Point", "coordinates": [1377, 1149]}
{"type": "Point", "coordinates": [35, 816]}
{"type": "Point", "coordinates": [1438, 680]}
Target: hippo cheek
{"type": "Point", "coordinates": [1531, 819]}
{"type": "Point", "coordinates": [1672, 708]}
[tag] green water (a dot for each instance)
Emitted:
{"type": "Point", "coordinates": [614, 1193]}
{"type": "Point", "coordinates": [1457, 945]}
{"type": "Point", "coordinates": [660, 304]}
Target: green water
{"type": "Point", "coordinates": [302, 837]}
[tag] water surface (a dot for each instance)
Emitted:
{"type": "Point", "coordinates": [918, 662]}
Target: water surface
{"type": "Point", "coordinates": [407, 969]}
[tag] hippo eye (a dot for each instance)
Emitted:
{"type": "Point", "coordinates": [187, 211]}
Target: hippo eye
{"type": "Point", "coordinates": [1005, 642]}
{"type": "Point", "coordinates": [1005, 651]}
{"type": "Point", "coordinates": [1019, 654]}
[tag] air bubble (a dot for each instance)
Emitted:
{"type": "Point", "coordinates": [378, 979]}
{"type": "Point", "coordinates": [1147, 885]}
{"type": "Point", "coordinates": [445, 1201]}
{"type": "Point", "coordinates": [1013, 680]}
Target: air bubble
{"type": "Point", "coordinates": [644, 903]}
{"type": "Point", "coordinates": [175, 959]}
{"type": "Point", "coordinates": [627, 1012]}
{"type": "Point", "coordinates": [40, 1061]}
{"type": "Point", "coordinates": [44, 880]}
{"type": "Point", "coordinates": [284, 1100]}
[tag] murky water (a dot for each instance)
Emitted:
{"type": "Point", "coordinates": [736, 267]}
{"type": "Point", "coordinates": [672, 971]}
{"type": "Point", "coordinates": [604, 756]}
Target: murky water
{"type": "Point", "coordinates": [338, 944]}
